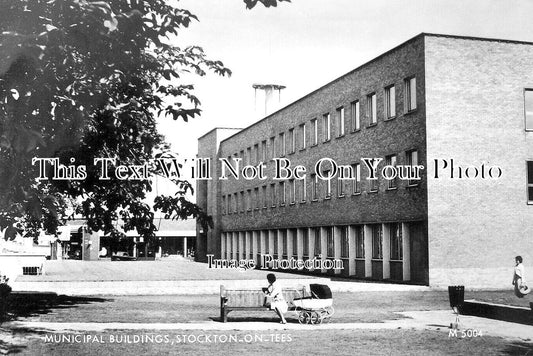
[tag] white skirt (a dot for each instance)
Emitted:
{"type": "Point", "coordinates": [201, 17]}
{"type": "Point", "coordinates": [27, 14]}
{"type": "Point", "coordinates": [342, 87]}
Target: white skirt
{"type": "Point", "coordinates": [281, 305]}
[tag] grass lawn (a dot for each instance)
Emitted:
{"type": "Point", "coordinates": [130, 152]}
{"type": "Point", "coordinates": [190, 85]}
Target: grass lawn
{"type": "Point", "coordinates": [349, 307]}
{"type": "Point", "coordinates": [164, 270]}
{"type": "Point", "coordinates": [324, 342]}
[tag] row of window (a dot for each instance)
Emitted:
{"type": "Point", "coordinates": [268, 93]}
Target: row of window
{"type": "Point", "coordinates": [293, 191]}
{"type": "Point", "coordinates": [395, 240]}
{"type": "Point", "coordinates": [297, 137]}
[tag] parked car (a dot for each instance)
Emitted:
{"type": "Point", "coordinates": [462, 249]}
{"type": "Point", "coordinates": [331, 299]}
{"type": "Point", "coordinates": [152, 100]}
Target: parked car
{"type": "Point", "coordinates": [122, 256]}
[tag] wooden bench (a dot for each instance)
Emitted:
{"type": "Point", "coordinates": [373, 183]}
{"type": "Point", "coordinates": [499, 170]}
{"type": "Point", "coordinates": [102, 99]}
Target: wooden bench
{"type": "Point", "coordinates": [251, 299]}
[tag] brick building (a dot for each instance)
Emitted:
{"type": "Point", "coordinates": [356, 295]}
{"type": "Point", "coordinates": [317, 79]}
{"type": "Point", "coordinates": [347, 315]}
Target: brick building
{"type": "Point", "coordinates": [431, 100]}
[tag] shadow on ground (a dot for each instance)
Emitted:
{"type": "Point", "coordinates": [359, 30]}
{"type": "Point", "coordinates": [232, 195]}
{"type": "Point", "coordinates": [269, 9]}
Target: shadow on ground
{"type": "Point", "coordinates": [15, 341]}
{"type": "Point", "coordinates": [518, 348]}
{"type": "Point", "coordinates": [27, 304]}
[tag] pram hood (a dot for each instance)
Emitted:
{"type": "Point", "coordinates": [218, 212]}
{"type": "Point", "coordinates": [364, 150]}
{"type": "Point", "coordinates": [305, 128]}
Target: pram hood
{"type": "Point", "coordinates": [320, 291]}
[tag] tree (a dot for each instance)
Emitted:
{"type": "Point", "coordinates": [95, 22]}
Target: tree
{"type": "Point", "coordinates": [85, 79]}
{"type": "Point", "coordinates": [268, 3]}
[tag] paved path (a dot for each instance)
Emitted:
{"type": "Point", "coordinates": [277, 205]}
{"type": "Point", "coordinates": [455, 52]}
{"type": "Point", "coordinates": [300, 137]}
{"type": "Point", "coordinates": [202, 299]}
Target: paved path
{"type": "Point", "coordinates": [421, 320]}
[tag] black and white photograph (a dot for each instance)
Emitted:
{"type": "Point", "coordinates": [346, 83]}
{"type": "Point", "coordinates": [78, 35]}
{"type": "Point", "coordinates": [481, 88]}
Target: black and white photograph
{"type": "Point", "coordinates": [214, 177]}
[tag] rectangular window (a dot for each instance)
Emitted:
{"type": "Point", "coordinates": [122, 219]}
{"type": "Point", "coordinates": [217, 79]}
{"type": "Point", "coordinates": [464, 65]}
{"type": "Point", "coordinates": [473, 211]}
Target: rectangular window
{"type": "Point", "coordinates": [356, 183]}
{"type": "Point", "coordinates": [340, 187]}
{"type": "Point", "coordinates": [248, 156]}
{"type": "Point", "coordinates": [377, 242]}
{"type": "Point", "coordinates": [530, 182]}
{"type": "Point", "coordinates": [374, 185]}
{"type": "Point", "coordinates": [275, 243]}
{"type": "Point", "coordinates": [359, 242]}
{"type": "Point", "coordinates": [303, 138]}
{"type": "Point", "coordinates": [257, 156]}
{"type": "Point", "coordinates": [243, 202]}
{"type": "Point", "coordinates": [251, 255]}
{"type": "Point", "coordinates": [371, 106]}
{"type": "Point", "coordinates": [265, 199]}
{"type": "Point", "coordinates": [229, 207]}
{"type": "Point", "coordinates": [236, 203]}
{"type": "Point", "coordinates": [318, 241]}
{"type": "Point", "coordinates": [282, 197]}
{"type": "Point", "coordinates": [330, 250]}
{"type": "Point", "coordinates": [292, 141]}
{"type": "Point", "coordinates": [281, 143]}
{"type": "Point", "coordinates": [391, 161]}
{"type": "Point", "coordinates": [528, 108]}
{"type": "Point", "coordinates": [327, 127]}
{"type": "Point", "coordinates": [242, 157]}
{"type": "Point", "coordinates": [257, 199]}
{"type": "Point", "coordinates": [410, 94]}
{"type": "Point", "coordinates": [273, 194]}
{"type": "Point", "coordinates": [340, 121]}
{"type": "Point", "coordinates": [305, 241]}
{"type": "Point", "coordinates": [223, 205]}
{"type": "Point", "coordinates": [314, 132]}
{"type": "Point", "coordinates": [264, 151]}
{"type": "Point", "coordinates": [292, 191]}
{"type": "Point", "coordinates": [292, 242]}
{"type": "Point", "coordinates": [355, 116]}
{"type": "Point", "coordinates": [303, 190]}
{"type": "Point", "coordinates": [328, 185]}
{"type": "Point", "coordinates": [284, 242]}
{"type": "Point", "coordinates": [396, 248]}
{"type": "Point", "coordinates": [344, 241]}
{"type": "Point", "coordinates": [314, 187]}
{"type": "Point", "coordinates": [272, 147]}
{"type": "Point", "coordinates": [412, 160]}
{"type": "Point", "coordinates": [390, 102]}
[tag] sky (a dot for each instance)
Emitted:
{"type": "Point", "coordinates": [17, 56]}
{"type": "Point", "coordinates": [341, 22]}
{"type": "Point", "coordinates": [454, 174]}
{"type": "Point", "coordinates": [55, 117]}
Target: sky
{"type": "Point", "coordinates": [308, 43]}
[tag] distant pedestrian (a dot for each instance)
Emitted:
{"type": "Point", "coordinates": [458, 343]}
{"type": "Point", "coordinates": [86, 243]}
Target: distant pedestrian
{"type": "Point", "coordinates": [519, 278]}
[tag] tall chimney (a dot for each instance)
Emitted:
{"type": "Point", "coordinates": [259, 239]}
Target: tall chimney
{"type": "Point", "coordinates": [272, 101]}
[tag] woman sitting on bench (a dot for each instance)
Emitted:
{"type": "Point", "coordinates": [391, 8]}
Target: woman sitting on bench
{"type": "Point", "coordinates": [277, 302]}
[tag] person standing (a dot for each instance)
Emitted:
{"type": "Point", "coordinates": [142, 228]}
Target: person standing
{"type": "Point", "coordinates": [519, 280]}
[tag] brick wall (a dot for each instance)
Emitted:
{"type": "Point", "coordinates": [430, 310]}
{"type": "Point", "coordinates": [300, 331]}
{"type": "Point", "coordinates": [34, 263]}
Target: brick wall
{"type": "Point", "coordinates": [208, 193]}
{"type": "Point", "coordinates": [405, 132]}
{"type": "Point", "coordinates": [475, 114]}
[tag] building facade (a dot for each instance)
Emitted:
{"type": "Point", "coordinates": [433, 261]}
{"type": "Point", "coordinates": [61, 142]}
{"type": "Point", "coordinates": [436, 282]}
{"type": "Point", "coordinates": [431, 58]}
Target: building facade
{"type": "Point", "coordinates": [460, 107]}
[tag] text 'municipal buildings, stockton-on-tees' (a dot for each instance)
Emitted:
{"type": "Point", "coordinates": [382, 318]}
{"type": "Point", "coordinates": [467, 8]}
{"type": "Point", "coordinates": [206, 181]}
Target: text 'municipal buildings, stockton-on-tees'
{"type": "Point", "coordinates": [461, 107]}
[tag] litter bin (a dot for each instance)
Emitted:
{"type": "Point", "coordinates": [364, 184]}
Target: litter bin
{"type": "Point", "coordinates": [457, 296]}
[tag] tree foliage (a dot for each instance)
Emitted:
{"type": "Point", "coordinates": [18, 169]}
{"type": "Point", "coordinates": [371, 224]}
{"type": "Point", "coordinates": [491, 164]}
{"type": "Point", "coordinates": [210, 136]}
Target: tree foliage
{"type": "Point", "coordinates": [267, 3]}
{"type": "Point", "coordinates": [84, 79]}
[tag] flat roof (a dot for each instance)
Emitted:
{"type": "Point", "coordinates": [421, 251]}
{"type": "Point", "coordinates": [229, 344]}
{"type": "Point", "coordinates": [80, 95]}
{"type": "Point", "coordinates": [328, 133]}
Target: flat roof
{"type": "Point", "coordinates": [422, 34]}
{"type": "Point", "coordinates": [219, 128]}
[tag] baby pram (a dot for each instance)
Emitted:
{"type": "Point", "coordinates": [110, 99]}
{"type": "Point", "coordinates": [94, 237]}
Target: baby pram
{"type": "Point", "coordinates": [316, 308]}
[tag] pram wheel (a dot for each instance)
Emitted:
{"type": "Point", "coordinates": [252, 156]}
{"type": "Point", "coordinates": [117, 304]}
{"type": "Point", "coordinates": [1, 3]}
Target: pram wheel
{"type": "Point", "coordinates": [329, 311]}
{"type": "Point", "coordinates": [315, 318]}
{"type": "Point", "coordinates": [304, 317]}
